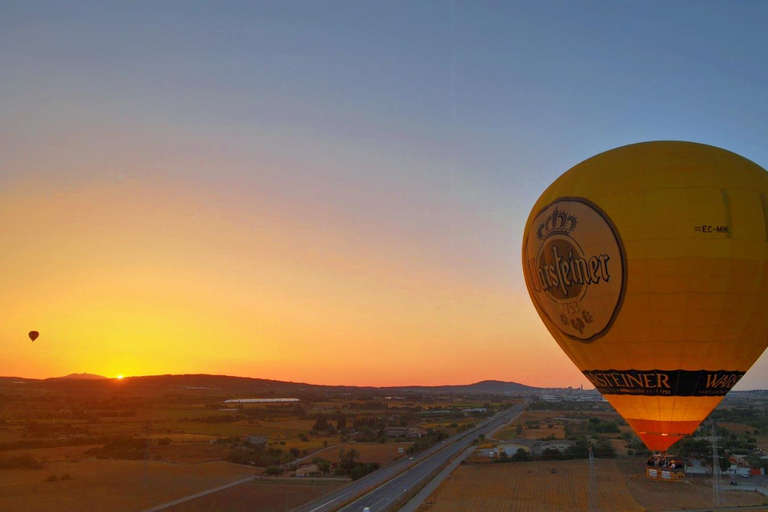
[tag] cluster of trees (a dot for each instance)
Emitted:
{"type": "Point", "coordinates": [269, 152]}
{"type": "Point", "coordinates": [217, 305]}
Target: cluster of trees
{"type": "Point", "coordinates": [221, 418]}
{"type": "Point", "coordinates": [727, 441]}
{"type": "Point", "coordinates": [36, 429]}
{"type": "Point", "coordinates": [126, 448]}
{"type": "Point", "coordinates": [127, 413]}
{"type": "Point", "coordinates": [422, 443]}
{"type": "Point", "coordinates": [348, 465]}
{"type": "Point", "coordinates": [20, 462]}
{"type": "Point", "coordinates": [270, 412]}
{"type": "Point", "coordinates": [580, 450]}
{"type": "Point", "coordinates": [566, 405]}
{"type": "Point", "coordinates": [755, 418]}
{"type": "Point", "coordinates": [592, 427]}
{"type": "Point", "coordinates": [368, 406]}
{"type": "Point", "coordinates": [22, 444]}
{"type": "Point", "coordinates": [258, 455]}
{"type": "Point", "coordinates": [54, 478]}
{"type": "Point", "coordinates": [323, 424]}
{"type": "Point", "coordinates": [368, 421]}
{"type": "Point", "coordinates": [603, 427]}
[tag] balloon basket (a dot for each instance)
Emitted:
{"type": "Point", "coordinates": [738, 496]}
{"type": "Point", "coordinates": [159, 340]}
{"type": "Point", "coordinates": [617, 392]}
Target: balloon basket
{"type": "Point", "coordinates": [665, 474]}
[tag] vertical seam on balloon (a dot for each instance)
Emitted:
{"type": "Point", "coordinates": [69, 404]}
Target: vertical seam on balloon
{"type": "Point", "coordinates": [728, 354]}
{"type": "Point", "coordinates": [763, 202]}
{"type": "Point", "coordinates": [715, 341]}
{"type": "Point", "coordinates": [743, 364]}
{"type": "Point", "coordinates": [686, 330]}
{"type": "Point", "coordinates": [727, 206]}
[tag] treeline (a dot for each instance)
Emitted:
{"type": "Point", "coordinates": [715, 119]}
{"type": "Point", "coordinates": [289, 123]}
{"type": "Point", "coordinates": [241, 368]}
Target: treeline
{"type": "Point", "coordinates": [603, 449]}
{"type": "Point", "coordinates": [52, 443]}
{"type": "Point", "coordinates": [753, 417]}
{"type": "Point", "coordinates": [422, 443]}
{"type": "Point", "coordinates": [20, 462]}
{"type": "Point", "coordinates": [566, 405]}
{"type": "Point", "coordinates": [272, 411]}
{"type": "Point", "coordinates": [727, 441]}
{"type": "Point", "coordinates": [35, 429]}
{"type": "Point", "coordinates": [348, 465]}
{"type": "Point", "coordinates": [127, 448]}
{"type": "Point", "coordinates": [259, 456]}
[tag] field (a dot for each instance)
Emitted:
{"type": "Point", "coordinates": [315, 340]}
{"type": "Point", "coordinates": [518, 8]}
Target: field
{"type": "Point", "coordinates": [739, 428]}
{"type": "Point", "coordinates": [695, 492]}
{"type": "Point", "coordinates": [533, 486]}
{"type": "Point", "coordinates": [536, 425]}
{"type": "Point", "coordinates": [270, 497]}
{"type": "Point", "coordinates": [383, 453]}
{"type": "Point", "coordinates": [99, 433]}
{"type": "Point", "coordinates": [110, 485]}
{"type": "Point", "coordinates": [563, 485]}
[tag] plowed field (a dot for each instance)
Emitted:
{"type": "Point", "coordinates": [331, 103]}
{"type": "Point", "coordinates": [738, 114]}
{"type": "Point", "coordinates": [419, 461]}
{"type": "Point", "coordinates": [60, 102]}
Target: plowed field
{"type": "Point", "coordinates": [533, 486]}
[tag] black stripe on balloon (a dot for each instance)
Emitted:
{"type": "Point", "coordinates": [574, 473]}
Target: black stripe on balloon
{"type": "Point", "coordinates": [663, 382]}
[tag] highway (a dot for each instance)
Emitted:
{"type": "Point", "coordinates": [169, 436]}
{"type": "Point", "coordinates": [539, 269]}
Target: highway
{"type": "Point", "coordinates": [387, 485]}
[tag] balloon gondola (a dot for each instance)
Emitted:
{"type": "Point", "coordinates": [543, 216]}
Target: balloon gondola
{"type": "Point", "coordinates": [648, 264]}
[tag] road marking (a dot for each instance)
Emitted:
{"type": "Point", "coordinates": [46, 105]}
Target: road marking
{"type": "Point", "coordinates": [382, 499]}
{"type": "Point", "coordinates": [329, 502]}
{"type": "Point", "coordinates": [199, 494]}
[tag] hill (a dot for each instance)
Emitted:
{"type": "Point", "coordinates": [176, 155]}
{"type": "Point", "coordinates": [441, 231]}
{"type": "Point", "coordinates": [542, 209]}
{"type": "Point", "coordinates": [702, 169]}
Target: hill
{"type": "Point", "coordinates": [494, 387]}
{"type": "Point", "coordinates": [245, 387]}
{"type": "Point", "coordinates": [81, 376]}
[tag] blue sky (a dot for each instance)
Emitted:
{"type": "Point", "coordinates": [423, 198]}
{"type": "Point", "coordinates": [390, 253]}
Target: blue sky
{"type": "Point", "coordinates": [411, 137]}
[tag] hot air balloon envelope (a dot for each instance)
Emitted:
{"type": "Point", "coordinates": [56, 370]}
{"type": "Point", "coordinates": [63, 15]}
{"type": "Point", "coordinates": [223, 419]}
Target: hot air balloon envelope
{"type": "Point", "coordinates": [33, 335]}
{"type": "Point", "coordinates": [648, 264]}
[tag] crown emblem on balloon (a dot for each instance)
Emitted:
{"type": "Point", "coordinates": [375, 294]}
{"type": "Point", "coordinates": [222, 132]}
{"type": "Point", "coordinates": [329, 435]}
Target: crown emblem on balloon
{"type": "Point", "coordinates": [558, 223]}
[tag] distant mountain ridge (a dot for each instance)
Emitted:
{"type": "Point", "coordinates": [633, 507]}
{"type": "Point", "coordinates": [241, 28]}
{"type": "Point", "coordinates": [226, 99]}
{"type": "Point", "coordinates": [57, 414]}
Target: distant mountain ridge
{"type": "Point", "coordinates": [485, 386]}
{"type": "Point", "coordinates": [81, 376]}
{"type": "Point", "coordinates": [249, 385]}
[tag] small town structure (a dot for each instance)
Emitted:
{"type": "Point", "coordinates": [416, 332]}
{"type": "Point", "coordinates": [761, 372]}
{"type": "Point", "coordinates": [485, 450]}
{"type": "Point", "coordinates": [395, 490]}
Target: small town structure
{"type": "Point", "coordinates": [534, 446]}
{"type": "Point", "coordinates": [308, 470]}
{"type": "Point", "coordinates": [404, 432]}
{"type": "Point", "coordinates": [257, 440]}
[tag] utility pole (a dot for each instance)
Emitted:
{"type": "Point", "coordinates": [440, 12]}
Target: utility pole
{"type": "Point", "coordinates": [717, 492]}
{"type": "Point", "coordinates": [592, 483]}
{"type": "Point", "coordinates": [147, 449]}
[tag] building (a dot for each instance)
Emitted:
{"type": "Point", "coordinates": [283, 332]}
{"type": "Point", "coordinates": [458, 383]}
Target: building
{"type": "Point", "coordinates": [257, 440]}
{"type": "Point", "coordinates": [308, 470]}
{"type": "Point", "coordinates": [404, 432]}
{"type": "Point", "coordinates": [512, 447]}
{"type": "Point", "coordinates": [559, 444]}
{"type": "Point", "coordinates": [534, 446]}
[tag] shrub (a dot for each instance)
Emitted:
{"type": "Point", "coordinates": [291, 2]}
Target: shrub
{"type": "Point", "coordinates": [522, 455]}
{"type": "Point", "coordinates": [20, 462]}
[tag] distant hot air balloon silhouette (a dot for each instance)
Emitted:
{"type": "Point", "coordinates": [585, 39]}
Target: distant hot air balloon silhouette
{"type": "Point", "coordinates": [649, 266]}
{"type": "Point", "coordinates": [33, 335]}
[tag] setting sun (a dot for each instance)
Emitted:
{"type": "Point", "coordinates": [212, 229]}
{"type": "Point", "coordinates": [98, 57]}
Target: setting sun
{"type": "Point", "coordinates": [119, 377]}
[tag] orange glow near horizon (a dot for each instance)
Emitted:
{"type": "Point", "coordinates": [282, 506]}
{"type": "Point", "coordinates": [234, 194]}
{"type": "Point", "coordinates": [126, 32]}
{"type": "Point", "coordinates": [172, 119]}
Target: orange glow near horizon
{"type": "Point", "coordinates": [328, 194]}
{"type": "Point", "coordinates": [178, 290]}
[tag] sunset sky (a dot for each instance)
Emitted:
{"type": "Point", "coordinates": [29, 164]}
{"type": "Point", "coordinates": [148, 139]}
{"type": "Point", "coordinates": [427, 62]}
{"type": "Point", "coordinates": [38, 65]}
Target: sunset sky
{"type": "Point", "coordinates": [323, 191]}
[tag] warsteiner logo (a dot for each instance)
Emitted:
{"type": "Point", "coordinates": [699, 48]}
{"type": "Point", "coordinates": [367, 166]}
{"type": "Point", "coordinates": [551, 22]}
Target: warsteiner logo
{"type": "Point", "coordinates": [575, 264]}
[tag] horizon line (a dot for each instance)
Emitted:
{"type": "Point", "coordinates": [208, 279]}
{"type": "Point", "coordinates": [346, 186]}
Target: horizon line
{"type": "Point", "coordinates": [125, 377]}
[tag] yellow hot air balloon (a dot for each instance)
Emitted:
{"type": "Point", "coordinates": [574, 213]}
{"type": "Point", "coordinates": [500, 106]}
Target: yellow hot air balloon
{"type": "Point", "coordinates": [649, 266]}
